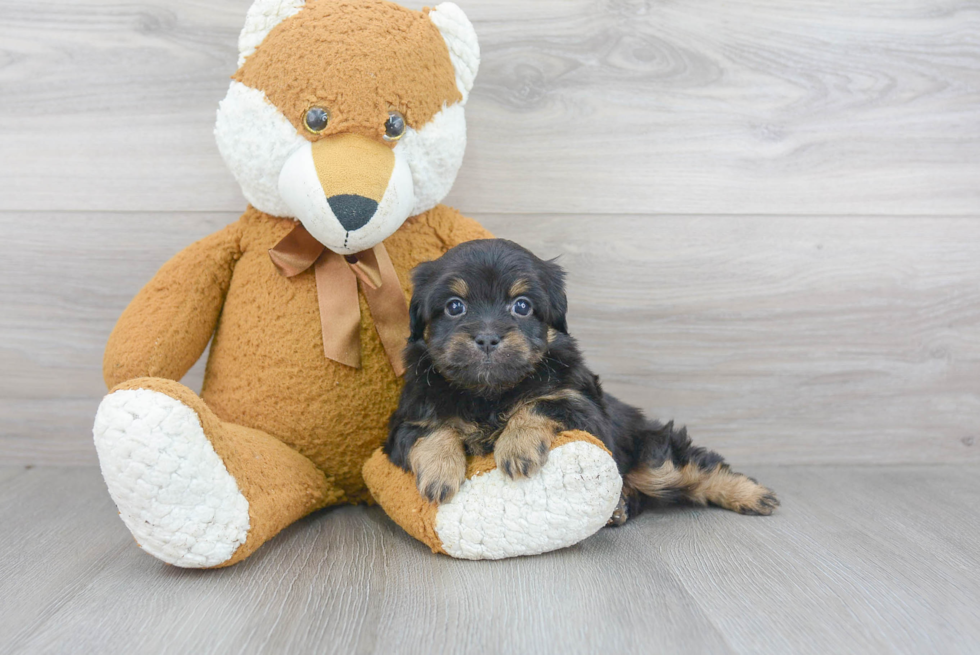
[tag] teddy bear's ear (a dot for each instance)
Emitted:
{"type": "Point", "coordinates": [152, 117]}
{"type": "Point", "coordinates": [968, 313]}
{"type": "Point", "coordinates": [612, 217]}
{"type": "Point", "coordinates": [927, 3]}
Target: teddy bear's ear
{"type": "Point", "coordinates": [262, 16]}
{"type": "Point", "coordinates": [464, 49]}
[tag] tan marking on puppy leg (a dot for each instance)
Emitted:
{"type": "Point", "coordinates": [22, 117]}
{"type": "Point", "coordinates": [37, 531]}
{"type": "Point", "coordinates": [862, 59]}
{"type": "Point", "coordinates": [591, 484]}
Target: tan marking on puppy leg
{"type": "Point", "coordinates": [439, 463]}
{"type": "Point", "coordinates": [720, 486]}
{"type": "Point", "coordinates": [522, 447]}
{"type": "Point", "coordinates": [520, 286]}
{"type": "Point", "coordinates": [476, 440]}
{"type": "Point", "coordinates": [723, 487]}
{"type": "Point", "coordinates": [655, 482]}
{"type": "Point", "coordinates": [459, 287]}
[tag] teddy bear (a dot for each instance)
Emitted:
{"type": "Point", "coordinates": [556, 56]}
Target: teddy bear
{"type": "Point", "coordinates": [344, 127]}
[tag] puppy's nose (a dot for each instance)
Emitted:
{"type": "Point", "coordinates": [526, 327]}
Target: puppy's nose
{"type": "Point", "coordinates": [487, 341]}
{"type": "Point", "coordinates": [352, 211]}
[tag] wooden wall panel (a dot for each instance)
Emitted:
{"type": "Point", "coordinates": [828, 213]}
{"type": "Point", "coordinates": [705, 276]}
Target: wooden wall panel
{"type": "Point", "coordinates": [769, 210]}
{"type": "Point", "coordinates": [638, 106]}
{"type": "Point", "coordinates": [777, 340]}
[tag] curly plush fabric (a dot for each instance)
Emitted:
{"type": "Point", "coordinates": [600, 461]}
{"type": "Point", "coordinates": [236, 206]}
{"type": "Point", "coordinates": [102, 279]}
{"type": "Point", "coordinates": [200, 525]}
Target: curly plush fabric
{"type": "Point", "coordinates": [493, 517]}
{"type": "Point", "coordinates": [340, 44]}
{"type": "Point", "coordinates": [175, 493]}
{"type": "Point", "coordinates": [291, 428]}
{"type": "Point", "coordinates": [266, 368]}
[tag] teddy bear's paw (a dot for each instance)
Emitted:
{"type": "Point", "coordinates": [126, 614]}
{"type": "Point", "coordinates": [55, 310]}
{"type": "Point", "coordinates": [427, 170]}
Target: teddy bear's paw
{"type": "Point", "coordinates": [494, 516]}
{"type": "Point", "coordinates": [172, 489]}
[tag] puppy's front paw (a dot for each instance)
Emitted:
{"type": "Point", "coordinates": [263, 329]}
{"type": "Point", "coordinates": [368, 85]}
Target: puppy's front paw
{"type": "Point", "coordinates": [522, 450]}
{"type": "Point", "coordinates": [439, 464]}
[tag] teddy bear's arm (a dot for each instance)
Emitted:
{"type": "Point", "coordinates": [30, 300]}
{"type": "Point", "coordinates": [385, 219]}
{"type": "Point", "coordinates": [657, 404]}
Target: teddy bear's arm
{"type": "Point", "coordinates": [168, 324]}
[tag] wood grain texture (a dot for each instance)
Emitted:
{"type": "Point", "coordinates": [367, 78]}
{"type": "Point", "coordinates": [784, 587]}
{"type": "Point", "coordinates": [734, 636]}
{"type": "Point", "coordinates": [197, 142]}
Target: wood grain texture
{"type": "Point", "coordinates": [858, 559]}
{"type": "Point", "coordinates": [760, 106]}
{"type": "Point", "coordinates": [782, 340]}
{"type": "Point", "coordinates": [804, 340]}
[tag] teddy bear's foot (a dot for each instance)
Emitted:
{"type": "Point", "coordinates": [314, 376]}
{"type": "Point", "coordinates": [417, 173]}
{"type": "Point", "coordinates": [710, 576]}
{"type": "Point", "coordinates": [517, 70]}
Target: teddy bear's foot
{"type": "Point", "coordinates": [493, 516]}
{"type": "Point", "coordinates": [197, 492]}
{"type": "Point", "coordinates": [172, 490]}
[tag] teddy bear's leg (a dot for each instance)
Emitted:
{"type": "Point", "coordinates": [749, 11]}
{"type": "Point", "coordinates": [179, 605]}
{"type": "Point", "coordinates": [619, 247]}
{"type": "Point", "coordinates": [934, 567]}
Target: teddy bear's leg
{"type": "Point", "coordinates": [194, 490]}
{"type": "Point", "coordinates": [492, 516]}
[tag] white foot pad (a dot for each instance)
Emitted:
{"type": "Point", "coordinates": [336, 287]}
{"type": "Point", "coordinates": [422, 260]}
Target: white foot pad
{"type": "Point", "coordinates": [569, 499]}
{"type": "Point", "coordinates": [172, 490]}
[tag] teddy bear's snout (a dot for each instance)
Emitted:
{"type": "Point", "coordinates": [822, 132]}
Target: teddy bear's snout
{"type": "Point", "coordinates": [352, 211]}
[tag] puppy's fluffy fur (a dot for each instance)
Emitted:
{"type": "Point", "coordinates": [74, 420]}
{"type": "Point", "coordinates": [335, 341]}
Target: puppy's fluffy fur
{"type": "Point", "coordinates": [491, 367]}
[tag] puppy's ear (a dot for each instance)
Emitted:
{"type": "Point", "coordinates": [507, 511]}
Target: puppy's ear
{"type": "Point", "coordinates": [423, 276]}
{"type": "Point", "coordinates": [416, 321]}
{"type": "Point", "coordinates": [554, 282]}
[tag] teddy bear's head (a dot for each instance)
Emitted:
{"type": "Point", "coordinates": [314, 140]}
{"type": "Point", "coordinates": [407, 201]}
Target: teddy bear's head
{"type": "Point", "coordinates": [348, 114]}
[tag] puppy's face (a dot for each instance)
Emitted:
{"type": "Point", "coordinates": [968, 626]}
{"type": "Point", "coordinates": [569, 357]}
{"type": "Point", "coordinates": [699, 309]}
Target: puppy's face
{"type": "Point", "coordinates": [486, 312]}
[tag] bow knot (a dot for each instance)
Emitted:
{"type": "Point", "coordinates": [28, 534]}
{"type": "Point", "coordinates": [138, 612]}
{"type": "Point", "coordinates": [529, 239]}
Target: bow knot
{"type": "Point", "coordinates": [336, 289]}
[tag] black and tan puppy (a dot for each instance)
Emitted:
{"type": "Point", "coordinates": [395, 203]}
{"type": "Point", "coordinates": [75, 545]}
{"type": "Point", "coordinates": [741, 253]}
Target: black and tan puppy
{"type": "Point", "coordinates": [491, 367]}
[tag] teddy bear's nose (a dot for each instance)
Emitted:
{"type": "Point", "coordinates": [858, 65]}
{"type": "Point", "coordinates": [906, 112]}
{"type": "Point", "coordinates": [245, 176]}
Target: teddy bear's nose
{"type": "Point", "coordinates": [352, 211]}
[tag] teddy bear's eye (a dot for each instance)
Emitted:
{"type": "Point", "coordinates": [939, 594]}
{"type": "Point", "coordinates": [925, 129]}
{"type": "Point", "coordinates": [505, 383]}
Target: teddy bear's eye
{"type": "Point", "coordinates": [316, 119]}
{"type": "Point", "coordinates": [394, 126]}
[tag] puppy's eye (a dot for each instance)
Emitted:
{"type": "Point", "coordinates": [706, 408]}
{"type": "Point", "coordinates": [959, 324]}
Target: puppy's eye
{"type": "Point", "coordinates": [455, 307]}
{"type": "Point", "coordinates": [316, 119]}
{"type": "Point", "coordinates": [521, 307]}
{"type": "Point", "coordinates": [394, 126]}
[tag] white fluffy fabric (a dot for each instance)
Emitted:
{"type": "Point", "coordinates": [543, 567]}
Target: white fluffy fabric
{"type": "Point", "coordinates": [172, 490]}
{"type": "Point", "coordinates": [262, 16]}
{"type": "Point", "coordinates": [569, 499]}
{"type": "Point", "coordinates": [300, 188]}
{"type": "Point", "coordinates": [434, 155]}
{"type": "Point", "coordinates": [255, 140]}
{"type": "Point", "coordinates": [460, 37]}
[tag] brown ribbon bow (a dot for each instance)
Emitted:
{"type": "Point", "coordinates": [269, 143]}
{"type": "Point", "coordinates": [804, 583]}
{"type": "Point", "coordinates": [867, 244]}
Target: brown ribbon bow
{"type": "Point", "coordinates": [336, 289]}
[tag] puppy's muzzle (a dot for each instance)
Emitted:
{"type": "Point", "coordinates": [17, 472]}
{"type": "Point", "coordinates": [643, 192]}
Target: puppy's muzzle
{"type": "Point", "coordinates": [487, 341]}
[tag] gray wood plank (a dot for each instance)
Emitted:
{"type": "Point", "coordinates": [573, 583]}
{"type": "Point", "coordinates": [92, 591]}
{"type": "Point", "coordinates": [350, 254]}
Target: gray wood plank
{"type": "Point", "coordinates": [60, 531]}
{"type": "Point", "coordinates": [852, 562]}
{"type": "Point", "coordinates": [750, 107]}
{"type": "Point", "coordinates": [64, 280]}
{"type": "Point", "coordinates": [816, 339]}
{"type": "Point", "coordinates": [8, 472]}
{"type": "Point", "coordinates": [345, 581]}
{"type": "Point", "coordinates": [834, 552]}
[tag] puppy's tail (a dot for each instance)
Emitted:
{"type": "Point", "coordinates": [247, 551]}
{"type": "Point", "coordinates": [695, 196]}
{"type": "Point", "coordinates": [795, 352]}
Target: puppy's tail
{"type": "Point", "coordinates": [672, 468]}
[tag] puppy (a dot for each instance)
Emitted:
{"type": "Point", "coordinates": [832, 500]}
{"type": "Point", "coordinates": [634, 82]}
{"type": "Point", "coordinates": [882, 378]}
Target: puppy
{"type": "Point", "coordinates": [491, 368]}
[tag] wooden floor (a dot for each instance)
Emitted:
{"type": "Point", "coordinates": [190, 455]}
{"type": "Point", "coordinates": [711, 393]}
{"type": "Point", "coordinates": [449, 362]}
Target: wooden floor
{"type": "Point", "coordinates": [858, 559]}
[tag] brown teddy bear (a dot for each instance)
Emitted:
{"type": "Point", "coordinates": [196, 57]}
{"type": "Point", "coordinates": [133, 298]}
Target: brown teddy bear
{"type": "Point", "coordinates": [344, 126]}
